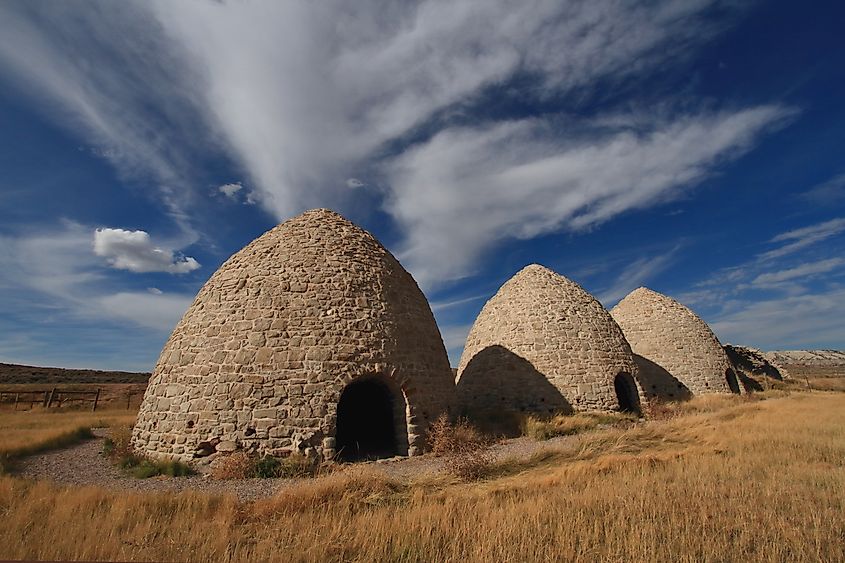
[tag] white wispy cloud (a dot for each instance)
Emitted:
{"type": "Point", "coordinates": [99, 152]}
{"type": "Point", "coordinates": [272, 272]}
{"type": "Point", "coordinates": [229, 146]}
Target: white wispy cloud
{"type": "Point", "coordinates": [129, 99]}
{"type": "Point", "coordinates": [802, 271]}
{"type": "Point", "coordinates": [159, 311]}
{"type": "Point", "coordinates": [477, 186]}
{"type": "Point", "coordinates": [308, 93]}
{"type": "Point", "coordinates": [455, 336]}
{"type": "Point", "coordinates": [635, 275]}
{"type": "Point", "coordinates": [442, 305]}
{"type": "Point", "coordinates": [774, 300]}
{"type": "Point", "coordinates": [799, 239]}
{"type": "Point", "coordinates": [773, 269]}
{"type": "Point", "coordinates": [812, 319]}
{"type": "Point", "coordinates": [827, 193]}
{"type": "Point", "coordinates": [135, 251]}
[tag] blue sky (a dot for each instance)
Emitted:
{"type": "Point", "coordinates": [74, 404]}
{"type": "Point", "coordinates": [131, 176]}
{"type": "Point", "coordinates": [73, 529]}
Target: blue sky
{"type": "Point", "coordinates": [693, 146]}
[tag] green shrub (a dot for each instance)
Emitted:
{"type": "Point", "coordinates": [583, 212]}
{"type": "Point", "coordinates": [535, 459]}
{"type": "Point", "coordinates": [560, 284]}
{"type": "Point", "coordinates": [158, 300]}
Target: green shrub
{"type": "Point", "coordinates": [267, 467]}
{"type": "Point", "coordinates": [118, 449]}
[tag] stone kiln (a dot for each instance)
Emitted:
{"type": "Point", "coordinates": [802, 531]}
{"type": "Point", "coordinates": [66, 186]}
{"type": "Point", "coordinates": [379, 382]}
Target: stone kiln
{"type": "Point", "coordinates": [542, 344]}
{"type": "Point", "coordinates": [313, 339]}
{"type": "Point", "coordinates": [678, 354]}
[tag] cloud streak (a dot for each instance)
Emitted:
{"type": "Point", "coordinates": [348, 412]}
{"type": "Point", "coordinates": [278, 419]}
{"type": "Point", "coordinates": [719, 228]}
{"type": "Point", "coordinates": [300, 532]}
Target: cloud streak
{"type": "Point", "coordinates": [799, 239]}
{"type": "Point", "coordinates": [520, 180]}
{"type": "Point", "coordinates": [813, 319]}
{"type": "Point", "coordinates": [636, 275]}
{"type": "Point", "coordinates": [800, 272]}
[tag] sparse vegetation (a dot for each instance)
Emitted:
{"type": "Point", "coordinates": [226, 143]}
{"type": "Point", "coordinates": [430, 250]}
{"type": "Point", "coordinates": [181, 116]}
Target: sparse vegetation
{"type": "Point", "coordinates": [465, 449]}
{"type": "Point", "coordinates": [118, 448]}
{"type": "Point", "coordinates": [30, 432]}
{"type": "Point", "coordinates": [242, 465]}
{"type": "Point", "coordinates": [569, 424]}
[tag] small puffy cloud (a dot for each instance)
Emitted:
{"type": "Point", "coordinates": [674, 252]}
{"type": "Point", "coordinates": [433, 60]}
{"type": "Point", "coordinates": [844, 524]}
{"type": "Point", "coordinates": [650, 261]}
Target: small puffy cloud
{"type": "Point", "coordinates": [354, 183]}
{"type": "Point", "coordinates": [134, 251]}
{"type": "Point", "coordinates": [154, 291]}
{"type": "Point", "coordinates": [231, 190]}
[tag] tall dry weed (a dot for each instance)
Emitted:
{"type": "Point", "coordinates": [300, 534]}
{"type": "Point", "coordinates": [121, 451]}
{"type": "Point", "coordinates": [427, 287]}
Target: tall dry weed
{"type": "Point", "coordinates": [465, 449]}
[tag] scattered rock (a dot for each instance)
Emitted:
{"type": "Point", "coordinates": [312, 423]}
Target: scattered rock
{"type": "Point", "coordinates": [226, 446]}
{"type": "Point", "coordinates": [205, 449]}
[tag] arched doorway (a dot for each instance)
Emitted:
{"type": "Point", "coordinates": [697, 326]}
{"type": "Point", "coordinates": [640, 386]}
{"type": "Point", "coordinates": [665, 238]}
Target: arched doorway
{"type": "Point", "coordinates": [730, 376]}
{"type": "Point", "coordinates": [370, 421]}
{"type": "Point", "coordinates": [626, 393]}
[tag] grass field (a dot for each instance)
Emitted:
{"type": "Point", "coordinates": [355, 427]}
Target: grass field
{"type": "Point", "coordinates": [27, 432]}
{"type": "Point", "coordinates": [721, 479]}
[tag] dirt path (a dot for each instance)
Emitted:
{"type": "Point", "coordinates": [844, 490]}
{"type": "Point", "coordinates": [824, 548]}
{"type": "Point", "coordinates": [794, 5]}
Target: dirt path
{"type": "Point", "coordinates": [84, 465]}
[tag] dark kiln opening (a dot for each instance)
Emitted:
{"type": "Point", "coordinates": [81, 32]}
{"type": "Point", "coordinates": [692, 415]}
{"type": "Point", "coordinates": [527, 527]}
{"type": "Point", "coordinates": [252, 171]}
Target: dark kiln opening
{"type": "Point", "coordinates": [367, 421]}
{"type": "Point", "coordinates": [626, 393]}
{"type": "Point", "coordinates": [730, 376]}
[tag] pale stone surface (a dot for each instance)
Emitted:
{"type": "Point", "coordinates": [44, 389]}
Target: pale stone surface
{"type": "Point", "coordinates": [261, 357]}
{"type": "Point", "coordinates": [543, 344]}
{"type": "Point", "coordinates": [826, 358]}
{"type": "Point", "coordinates": [672, 340]}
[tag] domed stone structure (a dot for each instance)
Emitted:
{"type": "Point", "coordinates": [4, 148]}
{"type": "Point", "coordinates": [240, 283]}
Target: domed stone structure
{"type": "Point", "coordinates": [542, 344]}
{"type": "Point", "coordinates": [312, 338]}
{"type": "Point", "coordinates": [678, 354]}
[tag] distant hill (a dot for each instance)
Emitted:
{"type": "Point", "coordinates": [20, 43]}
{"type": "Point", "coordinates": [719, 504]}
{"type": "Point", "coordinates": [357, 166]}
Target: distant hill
{"type": "Point", "coordinates": [17, 374]}
{"type": "Point", "coordinates": [807, 357]}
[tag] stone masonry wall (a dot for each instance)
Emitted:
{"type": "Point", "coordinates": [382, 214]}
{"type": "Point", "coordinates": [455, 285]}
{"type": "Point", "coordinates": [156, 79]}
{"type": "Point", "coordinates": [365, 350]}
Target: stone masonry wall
{"type": "Point", "coordinates": [261, 357]}
{"type": "Point", "coordinates": [676, 340]}
{"type": "Point", "coordinates": [542, 344]}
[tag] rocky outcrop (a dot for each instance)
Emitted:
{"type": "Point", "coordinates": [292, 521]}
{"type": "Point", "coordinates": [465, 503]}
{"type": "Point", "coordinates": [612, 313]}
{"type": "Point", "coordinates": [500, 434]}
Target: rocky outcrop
{"type": "Point", "coordinates": [821, 358]}
{"type": "Point", "coordinates": [753, 362]}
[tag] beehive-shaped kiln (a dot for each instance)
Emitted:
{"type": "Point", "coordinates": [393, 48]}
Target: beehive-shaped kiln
{"type": "Point", "coordinates": [311, 339]}
{"type": "Point", "coordinates": [542, 344]}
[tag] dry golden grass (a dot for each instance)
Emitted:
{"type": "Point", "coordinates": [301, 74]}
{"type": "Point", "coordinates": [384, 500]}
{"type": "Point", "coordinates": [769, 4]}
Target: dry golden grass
{"type": "Point", "coordinates": [27, 432]}
{"type": "Point", "coordinates": [726, 479]}
{"type": "Point", "coordinates": [828, 383]}
{"type": "Point", "coordinates": [568, 424]}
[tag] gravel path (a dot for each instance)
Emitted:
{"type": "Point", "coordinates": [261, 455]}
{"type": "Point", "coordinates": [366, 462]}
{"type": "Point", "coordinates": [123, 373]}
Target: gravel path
{"type": "Point", "coordinates": [84, 465]}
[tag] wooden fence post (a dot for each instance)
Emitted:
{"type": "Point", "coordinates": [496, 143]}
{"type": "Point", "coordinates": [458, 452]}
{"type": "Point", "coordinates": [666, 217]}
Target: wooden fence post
{"type": "Point", "coordinates": [17, 396]}
{"type": "Point", "coordinates": [52, 396]}
{"type": "Point", "coordinates": [96, 399]}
